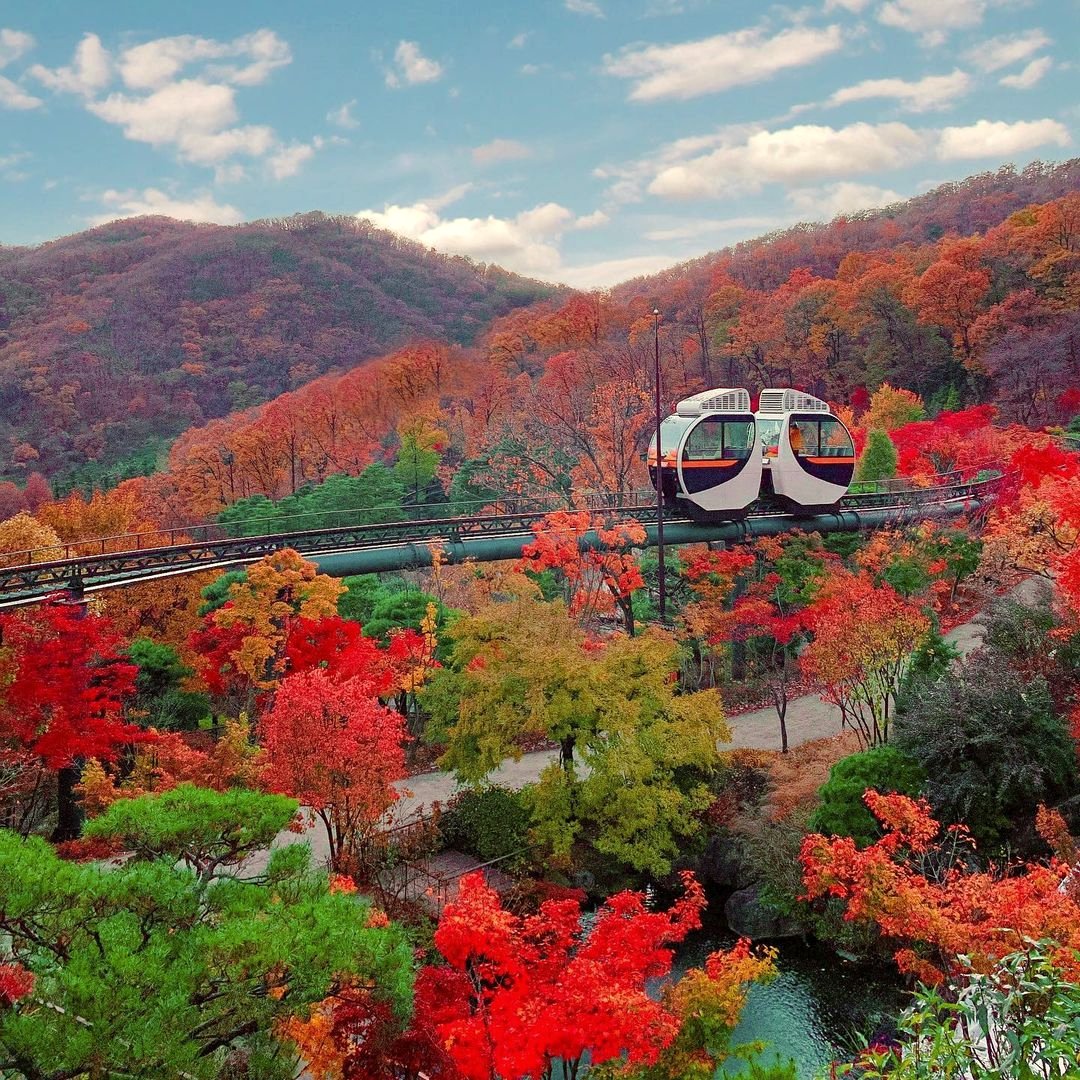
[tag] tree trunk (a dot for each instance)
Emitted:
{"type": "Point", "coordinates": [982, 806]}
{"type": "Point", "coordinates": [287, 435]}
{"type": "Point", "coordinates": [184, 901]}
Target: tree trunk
{"type": "Point", "coordinates": [69, 816]}
{"type": "Point", "coordinates": [566, 752]}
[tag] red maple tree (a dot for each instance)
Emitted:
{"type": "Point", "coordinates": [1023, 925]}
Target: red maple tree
{"type": "Point", "coordinates": [336, 749]}
{"type": "Point", "coordinates": [63, 685]}
{"type": "Point", "coordinates": [599, 574]}
{"type": "Point", "coordinates": [917, 886]}
{"type": "Point", "coordinates": [522, 996]}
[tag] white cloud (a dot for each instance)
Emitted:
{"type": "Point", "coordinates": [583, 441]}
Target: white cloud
{"type": "Point", "coordinates": [592, 221]}
{"type": "Point", "coordinates": [530, 69]}
{"type": "Point", "coordinates": [518, 40]}
{"type": "Point", "coordinates": [601, 275]}
{"type": "Point", "coordinates": [413, 67]}
{"type": "Point", "coordinates": [89, 71]}
{"type": "Point", "coordinates": [932, 19]}
{"type": "Point", "coordinates": [194, 116]}
{"type": "Point", "coordinates": [166, 104]}
{"type": "Point", "coordinates": [288, 160]}
{"type": "Point", "coordinates": [719, 63]}
{"type": "Point", "coordinates": [9, 163]}
{"type": "Point", "coordinates": [500, 150]}
{"type": "Point", "coordinates": [845, 197]}
{"type": "Point", "coordinates": [792, 155]}
{"type": "Point", "coordinates": [123, 204]}
{"type": "Point", "coordinates": [527, 242]}
{"type": "Point", "coordinates": [342, 117]}
{"type": "Point", "coordinates": [13, 44]}
{"type": "Point", "coordinates": [265, 51]}
{"type": "Point", "coordinates": [584, 7]}
{"type": "Point", "coordinates": [998, 139]}
{"type": "Point", "coordinates": [229, 173]}
{"type": "Point", "coordinates": [932, 92]}
{"type": "Point", "coordinates": [698, 228]}
{"type": "Point", "coordinates": [1032, 73]}
{"type": "Point", "coordinates": [13, 96]}
{"type": "Point", "coordinates": [854, 6]}
{"type": "Point", "coordinates": [155, 63]}
{"type": "Point", "coordinates": [998, 52]}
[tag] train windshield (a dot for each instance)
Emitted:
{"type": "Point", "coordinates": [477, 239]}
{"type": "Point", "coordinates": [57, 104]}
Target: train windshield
{"type": "Point", "coordinates": [715, 438]}
{"type": "Point", "coordinates": [820, 438]}
{"type": "Point", "coordinates": [671, 431]}
{"type": "Point", "coordinates": [769, 430]}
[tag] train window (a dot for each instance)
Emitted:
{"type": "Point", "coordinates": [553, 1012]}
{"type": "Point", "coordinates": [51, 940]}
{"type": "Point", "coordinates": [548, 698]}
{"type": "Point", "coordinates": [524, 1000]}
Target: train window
{"type": "Point", "coordinates": [835, 441]}
{"type": "Point", "coordinates": [738, 438]}
{"type": "Point", "coordinates": [706, 441]}
{"type": "Point", "coordinates": [803, 435]}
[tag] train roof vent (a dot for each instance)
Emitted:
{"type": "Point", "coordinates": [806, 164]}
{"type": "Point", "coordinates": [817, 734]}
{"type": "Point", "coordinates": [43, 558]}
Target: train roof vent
{"type": "Point", "coordinates": [785, 401]}
{"type": "Point", "coordinates": [724, 399]}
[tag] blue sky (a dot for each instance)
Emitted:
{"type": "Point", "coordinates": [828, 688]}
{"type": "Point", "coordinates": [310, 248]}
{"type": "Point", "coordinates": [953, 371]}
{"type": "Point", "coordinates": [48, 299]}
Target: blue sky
{"type": "Point", "coordinates": [583, 141]}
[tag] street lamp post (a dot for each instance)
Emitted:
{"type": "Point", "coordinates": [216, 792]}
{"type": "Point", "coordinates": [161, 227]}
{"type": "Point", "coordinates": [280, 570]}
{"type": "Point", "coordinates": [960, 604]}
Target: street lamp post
{"type": "Point", "coordinates": [661, 583]}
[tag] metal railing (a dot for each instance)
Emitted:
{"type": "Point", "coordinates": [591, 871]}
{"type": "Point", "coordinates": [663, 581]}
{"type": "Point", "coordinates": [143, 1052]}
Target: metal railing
{"type": "Point", "coordinates": [34, 574]}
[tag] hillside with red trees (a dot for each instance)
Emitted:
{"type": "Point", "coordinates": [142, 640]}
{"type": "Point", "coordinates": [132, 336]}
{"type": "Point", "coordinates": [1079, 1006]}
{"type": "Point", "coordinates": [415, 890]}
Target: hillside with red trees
{"type": "Point", "coordinates": [558, 396]}
{"type": "Point", "coordinates": [243, 345]}
{"type": "Point", "coordinates": [117, 339]}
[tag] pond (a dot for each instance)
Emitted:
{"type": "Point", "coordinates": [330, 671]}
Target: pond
{"type": "Point", "coordinates": [820, 1007]}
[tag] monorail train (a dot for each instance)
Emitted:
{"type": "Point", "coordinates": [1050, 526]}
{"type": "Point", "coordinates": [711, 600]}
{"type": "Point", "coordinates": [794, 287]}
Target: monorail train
{"type": "Point", "coordinates": [717, 457]}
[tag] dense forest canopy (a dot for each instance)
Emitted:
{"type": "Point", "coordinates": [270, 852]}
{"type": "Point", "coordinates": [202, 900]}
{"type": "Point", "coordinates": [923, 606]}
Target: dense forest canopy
{"type": "Point", "coordinates": [116, 339]}
{"type": "Point", "coordinates": [280, 353]}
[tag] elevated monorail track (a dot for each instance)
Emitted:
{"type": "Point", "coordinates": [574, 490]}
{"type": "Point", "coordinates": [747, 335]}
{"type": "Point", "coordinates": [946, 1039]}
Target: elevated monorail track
{"type": "Point", "coordinates": [501, 533]}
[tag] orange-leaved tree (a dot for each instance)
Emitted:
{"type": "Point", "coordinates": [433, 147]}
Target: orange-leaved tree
{"type": "Point", "coordinates": [917, 886]}
{"type": "Point", "coordinates": [251, 631]}
{"type": "Point", "coordinates": [594, 560]}
{"type": "Point", "coordinates": [864, 635]}
{"type": "Point", "coordinates": [232, 761]}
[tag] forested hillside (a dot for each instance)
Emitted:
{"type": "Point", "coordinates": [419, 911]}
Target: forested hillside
{"type": "Point", "coordinates": [117, 339]}
{"type": "Point", "coordinates": [968, 206]}
{"type": "Point", "coordinates": [243, 344]}
{"type": "Point", "coordinates": [559, 394]}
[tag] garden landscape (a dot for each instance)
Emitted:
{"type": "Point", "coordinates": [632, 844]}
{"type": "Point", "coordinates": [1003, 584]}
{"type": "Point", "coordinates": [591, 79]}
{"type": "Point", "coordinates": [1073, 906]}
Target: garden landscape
{"type": "Point", "coordinates": [442, 647]}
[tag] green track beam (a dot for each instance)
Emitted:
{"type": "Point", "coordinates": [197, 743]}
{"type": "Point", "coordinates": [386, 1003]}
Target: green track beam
{"type": "Point", "coordinates": [410, 556]}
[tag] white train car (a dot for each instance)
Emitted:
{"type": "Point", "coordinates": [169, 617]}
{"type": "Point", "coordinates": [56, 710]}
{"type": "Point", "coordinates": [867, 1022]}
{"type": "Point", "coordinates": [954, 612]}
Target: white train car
{"type": "Point", "coordinates": [710, 464]}
{"type": "Point", "coordinates": [808, 455]}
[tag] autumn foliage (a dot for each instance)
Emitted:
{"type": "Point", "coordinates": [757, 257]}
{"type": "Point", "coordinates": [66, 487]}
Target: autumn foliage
{"type": "Point", "coordinates": [600, 574]}
{"type": "Point", "coordinates": [333, 747]}
{"type": "Point", "coordinates": [63, 684]}
{"type": "Point", "coordinates": [514, 996]}
{"type": "Point", "coordinates": [915, 884]}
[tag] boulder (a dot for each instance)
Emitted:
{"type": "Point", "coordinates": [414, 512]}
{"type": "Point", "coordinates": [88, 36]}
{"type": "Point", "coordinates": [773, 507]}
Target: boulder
{"type": "Point", "coordinates": [721, 864]}
{"type": "Point", "coordinates": [748, 917]}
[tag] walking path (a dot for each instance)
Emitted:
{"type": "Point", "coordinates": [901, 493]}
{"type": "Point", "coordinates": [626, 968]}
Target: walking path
{"type": "Point", "coordinates": [808, 717]}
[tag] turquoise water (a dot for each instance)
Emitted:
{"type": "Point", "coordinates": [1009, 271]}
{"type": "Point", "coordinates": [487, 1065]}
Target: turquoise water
{"type": "Point", "coordinates": [817, 1010]}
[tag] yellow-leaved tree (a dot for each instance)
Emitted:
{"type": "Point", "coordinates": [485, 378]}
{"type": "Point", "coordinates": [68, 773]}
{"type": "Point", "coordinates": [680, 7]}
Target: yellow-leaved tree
{"type": "Point", "coordinates": [635, 754]}
{"type": "Point", "coordinates": [278, 590]}
{"type": "Point", "coordinates": [25, 539]}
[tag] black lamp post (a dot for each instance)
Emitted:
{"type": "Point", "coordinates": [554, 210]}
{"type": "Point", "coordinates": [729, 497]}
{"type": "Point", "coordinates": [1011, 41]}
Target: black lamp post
{"type": "Point", "coordinates": [661, 583]}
